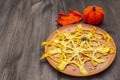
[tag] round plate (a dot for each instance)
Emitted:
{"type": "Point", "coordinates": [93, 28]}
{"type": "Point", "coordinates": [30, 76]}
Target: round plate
{"type": "Point", "coordinates": [74, 71]}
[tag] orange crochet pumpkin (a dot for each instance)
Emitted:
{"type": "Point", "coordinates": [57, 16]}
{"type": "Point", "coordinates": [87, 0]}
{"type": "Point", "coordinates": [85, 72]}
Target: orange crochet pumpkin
{"type": "Point", "coordinates": [93, 15]}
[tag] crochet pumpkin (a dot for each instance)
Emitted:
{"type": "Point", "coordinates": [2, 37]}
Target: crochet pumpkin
{"type": "Point", "coordinates": [93, 15]}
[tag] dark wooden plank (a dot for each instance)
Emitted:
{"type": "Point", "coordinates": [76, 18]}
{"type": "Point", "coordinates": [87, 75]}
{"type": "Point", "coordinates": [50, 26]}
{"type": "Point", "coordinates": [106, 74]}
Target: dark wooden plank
{"type": "Point", "coordinates": [14, 40]}
{"type": "Point", "coordinates": [24, 24]}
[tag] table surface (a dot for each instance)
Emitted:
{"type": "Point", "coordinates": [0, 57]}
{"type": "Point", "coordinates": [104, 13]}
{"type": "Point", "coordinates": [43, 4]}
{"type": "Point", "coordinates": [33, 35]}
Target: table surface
{"type": "Point", "coordinates": [24, 24]}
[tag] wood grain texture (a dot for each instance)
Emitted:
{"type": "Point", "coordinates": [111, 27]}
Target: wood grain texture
{"type": "Point", "coordinates": [24, 24]}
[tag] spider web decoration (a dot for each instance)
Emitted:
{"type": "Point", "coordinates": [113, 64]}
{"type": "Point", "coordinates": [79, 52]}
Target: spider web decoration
{"type": "Point", "coordinates": [78, 48]}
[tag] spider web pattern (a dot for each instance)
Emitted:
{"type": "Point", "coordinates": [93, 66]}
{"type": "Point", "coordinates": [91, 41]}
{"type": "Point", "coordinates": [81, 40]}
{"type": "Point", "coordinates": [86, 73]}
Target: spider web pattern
{"type": "Point", "coordinates": [78, 48]}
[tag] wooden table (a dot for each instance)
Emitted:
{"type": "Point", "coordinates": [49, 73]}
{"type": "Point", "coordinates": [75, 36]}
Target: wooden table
{"type": "Point", "coordinates": [24, 24]}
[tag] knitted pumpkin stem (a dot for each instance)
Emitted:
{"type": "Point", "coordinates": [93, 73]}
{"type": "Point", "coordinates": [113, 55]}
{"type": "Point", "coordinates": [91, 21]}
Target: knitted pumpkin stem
{"type": "Point", "coordinates": [94, 8]}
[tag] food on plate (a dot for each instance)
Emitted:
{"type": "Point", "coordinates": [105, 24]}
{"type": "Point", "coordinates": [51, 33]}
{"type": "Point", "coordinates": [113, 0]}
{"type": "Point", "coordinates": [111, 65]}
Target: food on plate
{"type": "Point", "coordinates": [78, 47]}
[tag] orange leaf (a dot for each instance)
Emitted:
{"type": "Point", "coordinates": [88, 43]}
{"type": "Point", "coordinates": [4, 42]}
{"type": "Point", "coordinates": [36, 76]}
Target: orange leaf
{"type": "Point", "coordinates": [67, 19]}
